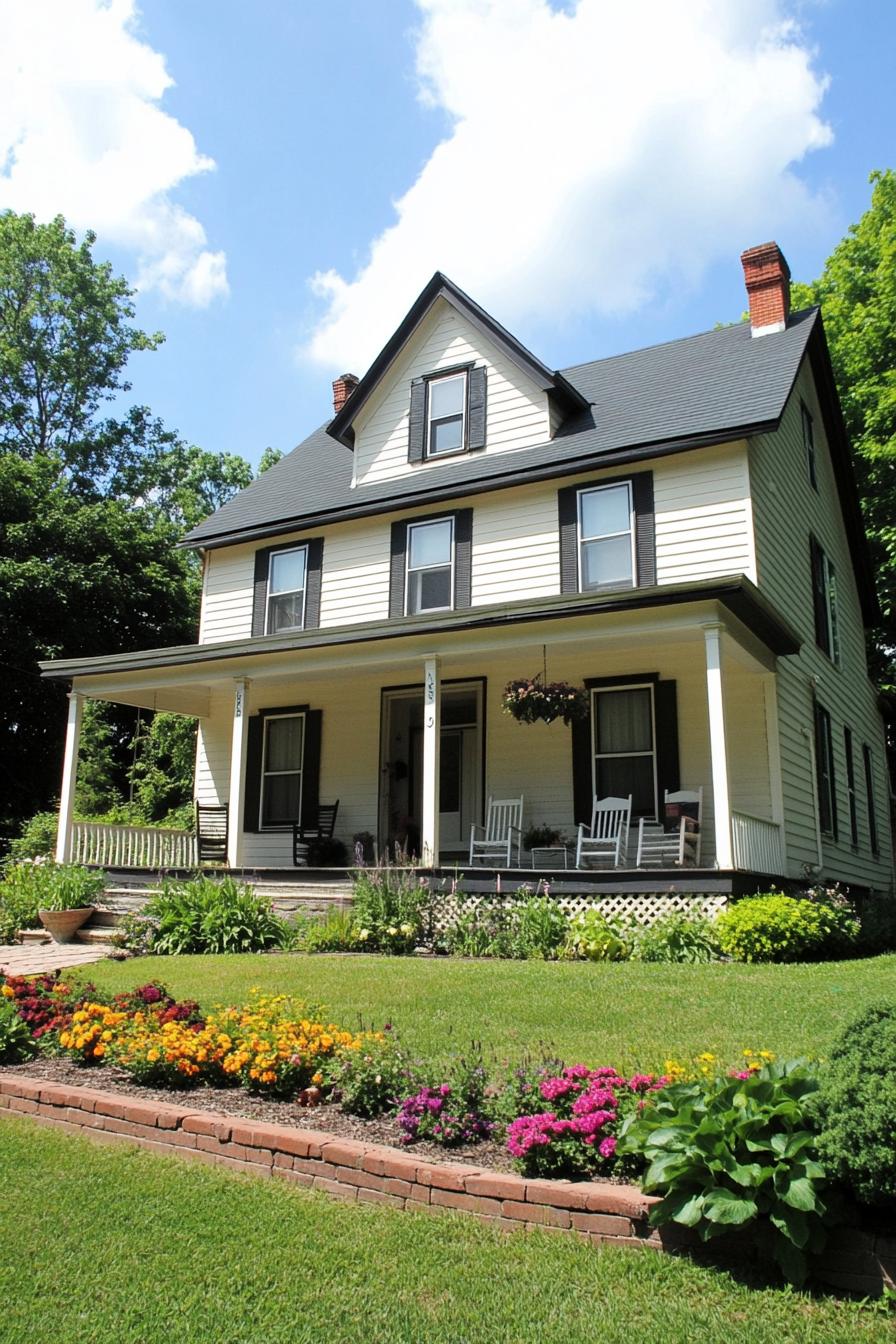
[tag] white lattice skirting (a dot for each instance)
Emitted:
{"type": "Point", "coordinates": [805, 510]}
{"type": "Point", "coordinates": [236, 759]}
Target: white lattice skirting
{"type": "Point", "coordinates": [646, 908]}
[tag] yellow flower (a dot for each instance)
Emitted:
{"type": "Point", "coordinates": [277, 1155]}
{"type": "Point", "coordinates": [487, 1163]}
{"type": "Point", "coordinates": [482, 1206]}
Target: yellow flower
{"type": "Point", "coordinates": [7, 993]}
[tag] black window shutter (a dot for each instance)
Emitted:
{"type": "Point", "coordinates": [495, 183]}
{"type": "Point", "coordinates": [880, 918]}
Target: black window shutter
{"type": "Point", "coordinates": [819, 596]}
{"type": "Point", "coordinates": [254, 745]}
{"type": "Point", "coordinates": [399, 544]}
{"type": "Point", "coordinates": [582, 771]}
{"type": "Point", "coordinates": [568, 512]}
{"type": "Point", "coordinates": [476, 394]}
{"type": "Point", "coordinates": [645, 528]}
{"type": "Point", "coordinates": [311, 767]}
{"type": "Point", "coordinates": [417, 421]}
{"type": "Point", "coordinates": [463, 559]}
{"type": "Point", "coordinates": [260, 594]}
{"type": "Point", "coordinates": [312, 583]}
{"type": "Point", "coordinates": [665, 706]}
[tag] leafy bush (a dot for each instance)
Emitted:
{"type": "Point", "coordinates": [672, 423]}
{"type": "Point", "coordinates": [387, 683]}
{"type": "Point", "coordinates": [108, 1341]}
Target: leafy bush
{"type": "Point", "coordinates": [595, 938]}
{"type": "Point", "coordinates": [372, 1080]}
{"type": "Point", "coordinates": [213, 915]}
{"type": "Point", "coordinates": [38, 838]}
{"type": "Point", "coordinates": [44, 1002]}
{"type": "Point", "coordinates": [32, 884]}
{"type": "Point", "coordinates": [734, 1151]}
{"type": "Point", "coordinates": [483, 930]}
{"type": "Point", "coordinates": [450, 1113]}
{"type": "Point", "coordinates": [676, 937]}
{"type": "Point", "coordinates": [16, 1041]}
{"type": "Point", "coordinates": [134, 933]}
{"type": "Point", "coordinates": [337, 933]}
{"type": "Point", "coordinates": [857, 1106]}
{"type": "Point", "coordinates": [775, 927]}
{"type": "Point", "coordinates": [389, 906]}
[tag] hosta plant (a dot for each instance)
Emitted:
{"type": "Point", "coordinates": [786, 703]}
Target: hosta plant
{"type": "Point", "coordinates": [595, 938]}
{"type": "Point", "coordinates": [728, 1151]}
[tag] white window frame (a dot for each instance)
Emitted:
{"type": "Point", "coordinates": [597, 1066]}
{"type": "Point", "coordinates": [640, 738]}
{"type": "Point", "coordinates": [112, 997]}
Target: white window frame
{"type": "Point", "coordinates": [287, 550]}
{"type": "Point", "coordinates": [829, 574]}
{"type": "Point", "coordinates": [428, 450]}
{"type": "Point", "coordinates": [271, 718]}
{"type": "Point", "coordinates": [427, 522]}
{"type": "Point", "coordinates": [613, 755]}
{"type": "Point", "coordinates": [606, 536]}
{"type": "Point", "coordinates": [808, 425]}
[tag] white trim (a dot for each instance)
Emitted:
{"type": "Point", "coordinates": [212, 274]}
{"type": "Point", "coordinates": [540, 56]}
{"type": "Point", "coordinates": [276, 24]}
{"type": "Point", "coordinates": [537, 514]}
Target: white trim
{"type": "Point", "coordinates": [773, 747]}
{"type": "Point", "coordinates": [718, 746]}
{"type": "Point", "coordinates": [270, 718]}
{"type": "Point", "coordinates": [626, 755]}
{"type": "Point", "coordinates": [238, 751]}
{"type": "Point", "coordinates": [606, 536]}
{"type": "Point", "coordinates": [412, 526]}
{"type": "Point", "coordinates": [432, 742]}
{"type": "Point", "coordinates": [69, 778]}
{"type": "Point", "coordinates": [768, 329]}
{"type": "Point", "coordinates": [287, 592]}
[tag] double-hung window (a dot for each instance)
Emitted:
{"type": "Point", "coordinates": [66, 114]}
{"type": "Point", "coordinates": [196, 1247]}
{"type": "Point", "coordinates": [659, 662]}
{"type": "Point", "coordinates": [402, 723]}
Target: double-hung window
{"type": "Point", "coordinates": [851, 787]}
{"type": "Point", "coordinates": [430, 566]}
{"type": "Point", "coordinates": [606, 537]}
{"type": "Point", "coordinates": [446, 413]}
{"type": "Point", "coordinates": [281, 770]}
{"type": "Point", "coordinates": [809, 445]}
{"type": "Point", "coordinates": [824, 769]}
{"type": "Point", "coordinates": [287, 582]}
{"type": "Point", "coordinates": [624, 746]}
{"type": "Point", "coordinates": [868, 763]}
{"type": "Point", "coordinates": [824, 600]}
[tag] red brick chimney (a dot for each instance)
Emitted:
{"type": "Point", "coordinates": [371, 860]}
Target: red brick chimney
{"type": "Point", "coordinates": [343, 387]}
{"type": "Point", "coordinates": [767, 277]}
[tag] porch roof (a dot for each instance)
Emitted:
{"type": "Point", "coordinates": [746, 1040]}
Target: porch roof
{"type": "Point", "coordinates": [735, 593]}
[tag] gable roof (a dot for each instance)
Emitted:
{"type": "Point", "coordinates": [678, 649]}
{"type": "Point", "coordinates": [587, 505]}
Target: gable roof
{"type": "Point", "coordinates": [440, 287]}
{"type": "Point", "coordinates": [683, 394]}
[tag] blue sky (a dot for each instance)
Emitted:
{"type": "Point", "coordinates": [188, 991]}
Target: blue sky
{"type": "Point", "coordinates": [590, 177]}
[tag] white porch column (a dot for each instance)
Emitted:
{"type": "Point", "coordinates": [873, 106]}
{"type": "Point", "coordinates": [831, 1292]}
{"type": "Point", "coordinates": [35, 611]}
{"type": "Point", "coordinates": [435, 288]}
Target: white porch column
{"type": "Point", "coordinates": [718, 746]}
{"type": "Point", "coordinates": [69, 778]}
{"type": "Point", "coordinates": [773, 741]}
{"type": "Point", "coordinates": [238, 745]}
{"type": "Point", "coordinates": [432, 736]}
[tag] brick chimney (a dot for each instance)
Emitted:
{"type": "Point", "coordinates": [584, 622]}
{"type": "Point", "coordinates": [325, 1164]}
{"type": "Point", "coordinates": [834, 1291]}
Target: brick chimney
{"type": "Point", "coordinates": [343, 387]}
{"type": "Point", "coordinates": [767, 277]}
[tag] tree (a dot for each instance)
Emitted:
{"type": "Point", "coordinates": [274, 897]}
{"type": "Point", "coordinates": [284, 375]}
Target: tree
{"type": "Point", "coordinates": [164, 759]}
{"type": "Point", "coordinates": [269, 458]}
{"type": "Point", "coordinates": [857, 291]}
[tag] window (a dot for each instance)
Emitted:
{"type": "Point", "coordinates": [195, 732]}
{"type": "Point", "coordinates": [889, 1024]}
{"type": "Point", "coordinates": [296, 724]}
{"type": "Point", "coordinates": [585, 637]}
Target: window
{"type": "Point", "coordinates": [824, 598]}
{"type": "Point", "coordinates": [809, 445]}
{"type": "Point", "coordinates": [446, 415]}
{"type": "Point", "coordinates": [824, 769]}
{"type": "Point", "coordinates": [281, 770]}
{"type": "Point", "coordinates": [851, 787]}
{"type": "Point", "coordinates": [869, 794]}
{"type": "Point", "coordinates": [286, 590]}
{"type": "Point", "coordinates": [606, 537]}
{"type": "Point", "coordinates": [430, 566]}
{"type": "Point", "coordinates": [624, 746]}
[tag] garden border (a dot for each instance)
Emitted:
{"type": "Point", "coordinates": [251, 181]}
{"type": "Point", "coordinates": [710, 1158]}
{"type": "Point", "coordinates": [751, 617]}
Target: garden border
{"type": "Point", "coordinates": [856, 1261]}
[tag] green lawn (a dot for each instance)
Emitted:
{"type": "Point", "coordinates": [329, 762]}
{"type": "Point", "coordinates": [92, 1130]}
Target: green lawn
{"type": "Point", "coordinates": [630, 1015]}
{"type": "Point", "coordinates": [111, 1246]}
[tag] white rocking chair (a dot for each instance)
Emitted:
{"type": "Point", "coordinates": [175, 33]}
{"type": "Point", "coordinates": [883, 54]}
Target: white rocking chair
{"type": "Point", "coordinates": [676, 839]}
{"type": "Point", "coordinates": [608, 832]}
{"type": "Point", "coordinates": [495, 841]}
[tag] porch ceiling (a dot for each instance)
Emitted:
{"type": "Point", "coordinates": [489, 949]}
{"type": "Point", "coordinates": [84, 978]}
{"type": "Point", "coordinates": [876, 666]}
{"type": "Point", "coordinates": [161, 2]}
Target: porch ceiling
{"type": "Point", "coordinates": [182, 679]}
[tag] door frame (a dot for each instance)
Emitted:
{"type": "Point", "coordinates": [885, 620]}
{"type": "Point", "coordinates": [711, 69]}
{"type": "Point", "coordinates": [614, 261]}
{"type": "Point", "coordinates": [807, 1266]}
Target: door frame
{"type": "Point", "coordinates": [386, 692]}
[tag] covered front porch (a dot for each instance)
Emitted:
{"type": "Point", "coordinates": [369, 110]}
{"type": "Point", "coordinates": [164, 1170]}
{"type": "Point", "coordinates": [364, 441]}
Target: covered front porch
{"type": "Point", "coordinates": [407, 733]}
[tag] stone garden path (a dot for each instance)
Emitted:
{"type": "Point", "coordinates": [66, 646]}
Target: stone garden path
{"type": "Point", "coordinates": [35, 958]}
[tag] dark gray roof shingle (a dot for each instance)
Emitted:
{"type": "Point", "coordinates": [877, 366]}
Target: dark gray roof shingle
{"type": "Point", "coordinates": [721, 382]}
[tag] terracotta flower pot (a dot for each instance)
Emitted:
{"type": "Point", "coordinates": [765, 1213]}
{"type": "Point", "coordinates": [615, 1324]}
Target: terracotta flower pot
{"type": "Point", "coordinates": [62, 925]}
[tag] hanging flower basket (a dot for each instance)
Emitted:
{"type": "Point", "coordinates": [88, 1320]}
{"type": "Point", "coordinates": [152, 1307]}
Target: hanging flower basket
{"type": "Point", "coordinates": [532, 700]}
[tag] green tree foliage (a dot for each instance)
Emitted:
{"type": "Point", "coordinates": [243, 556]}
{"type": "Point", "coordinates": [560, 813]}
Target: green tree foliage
{"type": "Point", "coordinates": [269, 458]}
{"type": "Point", "coordinates": [857, 291]}
{"type": "Point", "coordinates": [164, 757]}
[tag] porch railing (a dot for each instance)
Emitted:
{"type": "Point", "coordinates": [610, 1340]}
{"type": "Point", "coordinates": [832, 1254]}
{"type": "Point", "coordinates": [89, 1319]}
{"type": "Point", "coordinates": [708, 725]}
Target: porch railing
{"type": "Point", "coordinates": [757, 844]}
{"type": "Point", "coordinates": [132, 846]}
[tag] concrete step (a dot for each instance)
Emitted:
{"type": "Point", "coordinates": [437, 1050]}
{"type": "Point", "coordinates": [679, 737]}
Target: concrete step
{"type": "Point", "coordinates": [34, 936]}
{"type": "Point", "coordinates": [93, 934]}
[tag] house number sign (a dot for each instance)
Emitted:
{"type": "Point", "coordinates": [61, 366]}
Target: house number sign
{"type": "Point", "coordinates": [430, 700]}
{"type": "Point", "coordinates": [238, 705]}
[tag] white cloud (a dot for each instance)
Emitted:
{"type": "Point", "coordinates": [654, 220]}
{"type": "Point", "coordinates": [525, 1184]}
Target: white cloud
{"type": "Point", "coordinates": [82, 134]}
{"type": "Point", "coordinates": [597, 154]}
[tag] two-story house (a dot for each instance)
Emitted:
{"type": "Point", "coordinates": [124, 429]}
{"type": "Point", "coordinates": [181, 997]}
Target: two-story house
{"type": "Point", "coordinates": [676, 529]}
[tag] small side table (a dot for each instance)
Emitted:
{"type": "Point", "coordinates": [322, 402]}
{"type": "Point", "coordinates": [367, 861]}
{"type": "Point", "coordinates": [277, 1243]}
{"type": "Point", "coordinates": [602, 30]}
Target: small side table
{"type": "Point", "coordinates": [543, 854]}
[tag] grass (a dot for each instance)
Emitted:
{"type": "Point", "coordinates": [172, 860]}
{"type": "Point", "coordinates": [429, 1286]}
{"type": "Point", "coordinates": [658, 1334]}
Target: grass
{"type": "Point", "coordinates": [630, 1015]}
{"type": "Point", "coordinates": [114, 1246]}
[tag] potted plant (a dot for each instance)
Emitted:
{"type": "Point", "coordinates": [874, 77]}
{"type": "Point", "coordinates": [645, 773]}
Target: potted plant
{"type": "Point", "coordinates": [67, 892]}
{"type": "Point", "coordinates": [542, 837]}
{"type": "Point", "coordinates": [532, 699]}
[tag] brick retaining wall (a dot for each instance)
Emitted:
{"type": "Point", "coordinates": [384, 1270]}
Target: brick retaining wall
{"type": "Point", "coordinates": [856, 1261]}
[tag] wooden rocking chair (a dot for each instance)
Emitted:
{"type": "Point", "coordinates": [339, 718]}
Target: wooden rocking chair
{"type": "Point", "coordinates": [608, 832]}
{"type": "Point", "coordinates": [211, 832]}
{"type": "Point", "coordinates": [502, 830]}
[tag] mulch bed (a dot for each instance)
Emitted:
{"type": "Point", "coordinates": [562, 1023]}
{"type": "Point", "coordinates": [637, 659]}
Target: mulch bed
{"type": "Point", "coordinates": [234, 1101]}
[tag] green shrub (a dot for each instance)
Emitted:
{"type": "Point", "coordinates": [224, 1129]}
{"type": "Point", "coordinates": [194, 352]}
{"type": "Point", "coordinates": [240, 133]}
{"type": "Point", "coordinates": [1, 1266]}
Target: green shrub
{"type": "Point", "coordinates": [134, 933]}
{"type": "Point", "coordinates": [16, 1041]}
{"type": "Point", "coordinates": [213, 915]}
{"type": "Point", "coordinates": [676, 937]}
{"type": "Point", "coordinates": [539, 928]}
{"type": "Point", "coordinates": [31, 885]}
{"type": "Point", "coordinates": [484, 929]}
{"type": "Point", "coordinates": [735, 1151]}
{"type": "Point", "coordinates": [38, 838]}
{"type": "Point", "coordinates": [857, 1106]}
{"type": "Point", "coordinates": [786, 928]}
{"type": "Point", "coordinates": [594, 937]}
{"type": "Point", "coordinates": [389, 906]}
{"type": "Point", "coordinates": [374, 1079]}
{"type": "Point", "coordinates": [337, 933]}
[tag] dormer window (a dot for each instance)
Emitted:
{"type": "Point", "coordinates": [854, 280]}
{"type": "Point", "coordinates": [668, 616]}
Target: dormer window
{"type": "Point", "coordinates": [446, 415]}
